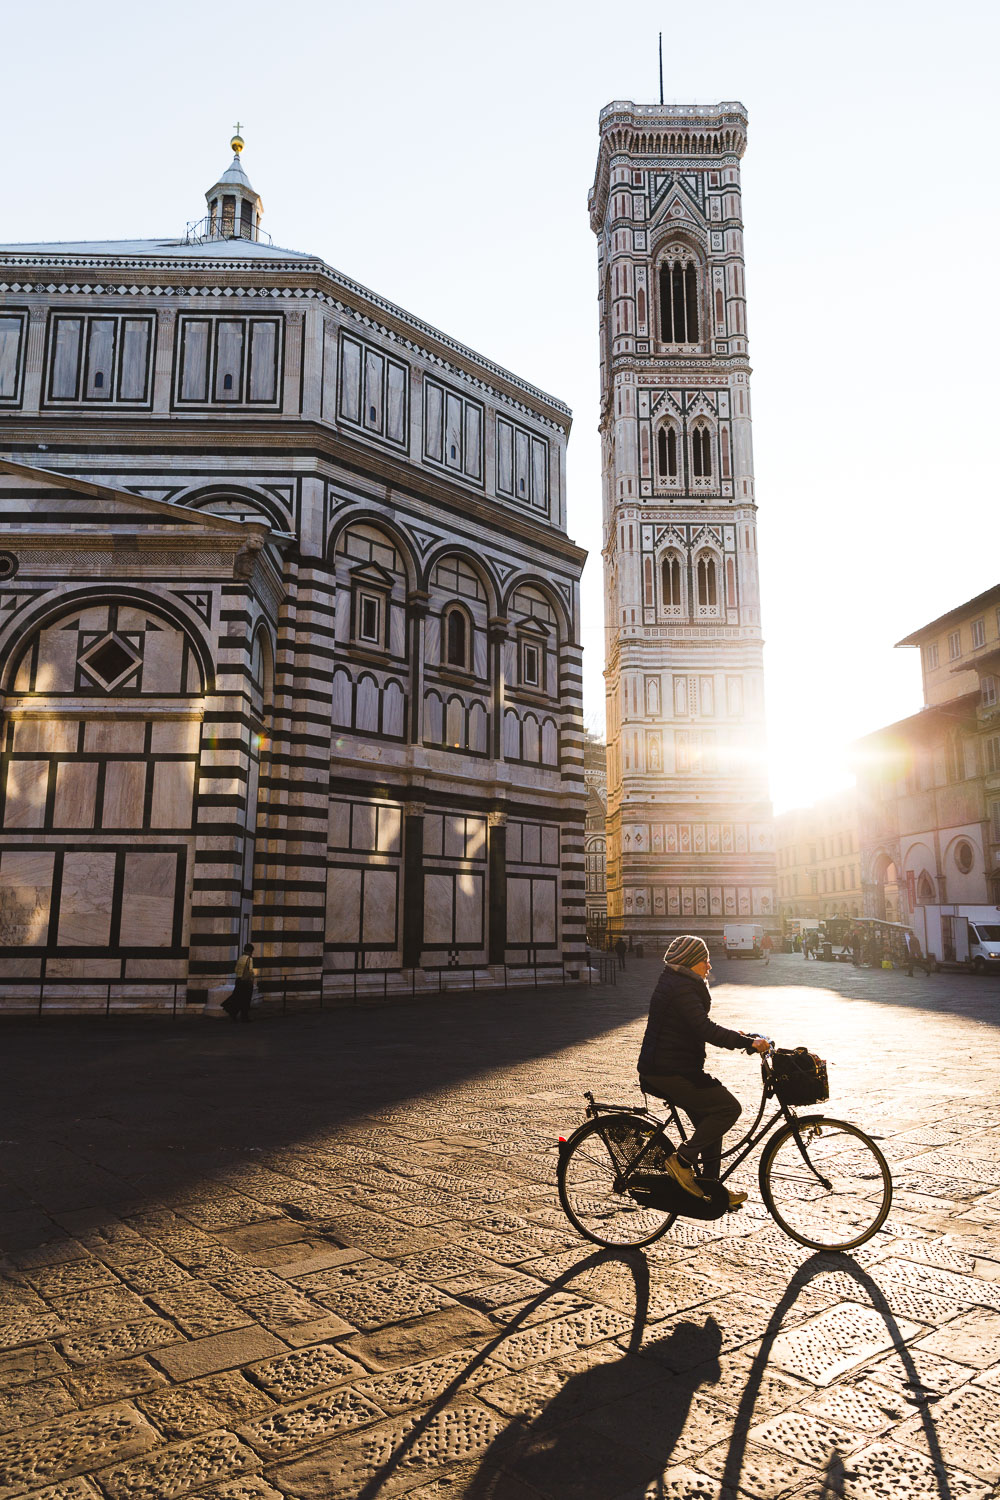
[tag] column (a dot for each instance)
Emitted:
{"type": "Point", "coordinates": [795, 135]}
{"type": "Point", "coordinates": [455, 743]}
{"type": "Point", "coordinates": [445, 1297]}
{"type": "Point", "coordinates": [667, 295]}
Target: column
{"type": "Point", "coordinates": [413, 885]}
{"type": "Point", "coordinates": [498, 885]}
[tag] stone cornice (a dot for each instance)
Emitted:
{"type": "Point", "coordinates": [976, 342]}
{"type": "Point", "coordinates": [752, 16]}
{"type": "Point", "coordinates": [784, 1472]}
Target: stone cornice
{"type": "Point", "coordinates": [208, 280]}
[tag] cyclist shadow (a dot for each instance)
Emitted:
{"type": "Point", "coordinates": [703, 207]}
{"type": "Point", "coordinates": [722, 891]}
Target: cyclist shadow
{"type": "Point", "coordinates": [837, 1469]}
{"type": "Point", "coordinates": [610, 1430]}
{"type": "Point", "coordinates": [558, 1451]}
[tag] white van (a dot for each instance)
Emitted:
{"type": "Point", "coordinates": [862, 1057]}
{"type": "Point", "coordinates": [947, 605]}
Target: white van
{"type": "Point", "coordinates": [743, 939]}
{"type": "Point", "coordinates": [966, 935]}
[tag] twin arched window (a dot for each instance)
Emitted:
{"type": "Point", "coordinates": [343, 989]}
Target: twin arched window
{"type": "Point", "coordinates": [701, 453]}
{"type": "Point", "coordinates": [708, 582]}
{"type": "Point", "coordinates": [670, 574]}
{"type": "Point", "coordinates": [666, 453]}
{"type": "Point", "coordinates": [678, 287]}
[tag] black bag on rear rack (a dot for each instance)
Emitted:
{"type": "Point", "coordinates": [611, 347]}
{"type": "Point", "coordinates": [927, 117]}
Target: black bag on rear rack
{"type": "Point", "coordinates": [799, 1076]}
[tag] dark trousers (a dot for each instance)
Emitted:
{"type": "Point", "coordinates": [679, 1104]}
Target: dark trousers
{"type": "Point", "coordinates": [709, 1105]}
{"type": "Point", "coordinates": [238, 1004]}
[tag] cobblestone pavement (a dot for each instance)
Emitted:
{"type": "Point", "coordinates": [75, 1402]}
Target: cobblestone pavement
{"type": "Point", "coordinates": [323, 1258]}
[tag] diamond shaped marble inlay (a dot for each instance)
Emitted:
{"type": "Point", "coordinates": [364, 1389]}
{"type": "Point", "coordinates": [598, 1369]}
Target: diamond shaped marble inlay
{"type": "Point", "coordinates": [109, 661]}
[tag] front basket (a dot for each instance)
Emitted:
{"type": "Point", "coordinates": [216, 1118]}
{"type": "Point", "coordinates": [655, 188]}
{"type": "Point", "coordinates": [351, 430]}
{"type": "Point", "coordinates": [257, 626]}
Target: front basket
{"type": "Point", "coordinates": [799, 1076]}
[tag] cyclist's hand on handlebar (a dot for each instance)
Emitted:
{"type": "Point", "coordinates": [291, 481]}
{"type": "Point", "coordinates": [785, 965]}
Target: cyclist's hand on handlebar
{"type": "Point", "coordinates": [761, 1044]}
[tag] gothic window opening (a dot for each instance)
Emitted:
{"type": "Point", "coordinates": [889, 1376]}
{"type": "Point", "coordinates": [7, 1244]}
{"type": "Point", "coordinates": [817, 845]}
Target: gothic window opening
{"type": "Point", "coordinates": [708, 587]}
{"type": "Point", "coordinates": [671, 575]}
{"type": "Point", "coordinates": [701, 453]}
{"type": "Point", "coordinates": [678, 286]}
{"type": "Point", "coordinates": [666, 453]}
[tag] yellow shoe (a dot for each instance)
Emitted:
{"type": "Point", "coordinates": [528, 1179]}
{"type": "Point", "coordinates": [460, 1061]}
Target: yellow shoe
{"type": "Point", "coordinates": [736, 1198]}
{"type": "Point", "coordinates": [682, 1174]}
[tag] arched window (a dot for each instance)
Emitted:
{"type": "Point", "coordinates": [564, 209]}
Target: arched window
{"type": "Point", "coordinates": [670, 570]}
{"type": "Point", "coordinates": [456, 638]}
{"type": "Point", "coordinates": [708, 585]}
{"type": "Point", "coordinates": [678, 286]}
{"type": "Point", "coordinates": [701, 453]}
{"type": "Point", "coordinates": [666, 453]}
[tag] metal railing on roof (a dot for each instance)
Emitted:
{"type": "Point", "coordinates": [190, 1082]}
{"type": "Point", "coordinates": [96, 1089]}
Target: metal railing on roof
{"type": "Point", "coordinates": [200, 230]}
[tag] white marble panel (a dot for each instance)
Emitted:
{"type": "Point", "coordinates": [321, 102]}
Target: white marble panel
{"type": "Point", "coordinates": [518, 910]}
{"type": "Point", "coordinates": [148, 899]}
{"type": "Point", "coordinates": [117, 736]}
{"type": "Point", "coordinates": [135, 345]}
{"type": "Point", "coordinates": [124, 793]}
{"type": "Point", "coordinates": [173, 794]}
{"type": "Point", "coordinates": [85, 903]}
{"type": "Point", "coordinates": [433, 834]}
{"type": "Point", "coordinates": [475, 838]}
{"type": "Point", "coordinates": [25, 894]}
{"type": "Point", "coordinates": [76, 794]}
{"type": "Point", "coordinates": [263, 341]}
{"type": "Point", "coordinates": [175, 736]}
{"type": "Point", "coordinates": [363, 826]}
{"type": "Point", "coordinates": [389, 819]}
{"type": "Point", "coordinates": [469, 910]}
{"type": "Point", "coordinates": [339, 824]}
{"type": "Point", "coordinates": [478, 727]}
{"type": "Point", "coordinates": [343, 906]}
{"type": "Point", "coordinates": [343, 698]}
{"type": "Point", "coordinates": [60, 735]}
{"type": "Point", "coordinates": [531, 843]}
{"type": "Point", "coordinates": [27, 786]}
{"type": "Point", "coordinates": [438, 911]}
{"type": "Point", "coordinates": [162, 661]}
{"type": "Point", "coordinates": [550, 844]}
{"type": "Point", "coordinates": [454, 837]}
{"type": "Point", "coordinates": [379, 914]}
{"type": "Point", "coordinates": [544, 911]}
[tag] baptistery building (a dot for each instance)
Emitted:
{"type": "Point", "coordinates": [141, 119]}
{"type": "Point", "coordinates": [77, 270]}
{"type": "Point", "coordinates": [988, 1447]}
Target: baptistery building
{"type": "Point", "coordinates": [289, 632]}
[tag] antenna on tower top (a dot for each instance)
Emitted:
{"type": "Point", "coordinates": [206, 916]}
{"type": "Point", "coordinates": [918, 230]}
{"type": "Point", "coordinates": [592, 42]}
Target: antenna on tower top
{"type": "Point", "coordinates": [661, 67]}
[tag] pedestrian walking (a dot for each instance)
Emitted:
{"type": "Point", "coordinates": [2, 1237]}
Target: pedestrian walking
{"type": "Point", "coordinates": [237, 1005]}
{"type": "Point", "coordinates": [621, 950]}
{"type": "Point", "coordinates": [768, 947]}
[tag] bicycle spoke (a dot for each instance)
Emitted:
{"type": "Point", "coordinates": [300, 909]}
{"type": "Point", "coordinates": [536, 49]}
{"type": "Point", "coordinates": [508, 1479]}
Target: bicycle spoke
{"type": "Point", "coordinates": [841, 1215]}
{"type": "Point", "coordinates": [592, 1191]}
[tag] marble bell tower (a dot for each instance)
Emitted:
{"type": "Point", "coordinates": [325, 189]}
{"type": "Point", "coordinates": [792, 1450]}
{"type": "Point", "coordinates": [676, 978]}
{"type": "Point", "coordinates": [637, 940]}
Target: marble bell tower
{"type": "Point", "coordinates": [690, 842]}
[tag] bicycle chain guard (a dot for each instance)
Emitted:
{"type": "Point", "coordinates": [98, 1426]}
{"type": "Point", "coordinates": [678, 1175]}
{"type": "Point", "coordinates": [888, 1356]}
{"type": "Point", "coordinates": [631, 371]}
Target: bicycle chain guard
{"type": "Point", "coordinates": [668, 1196]}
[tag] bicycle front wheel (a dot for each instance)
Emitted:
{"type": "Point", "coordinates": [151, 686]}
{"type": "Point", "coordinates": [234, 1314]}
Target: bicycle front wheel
{"type": "Point", "coordinates": [826, 1183]}
{"type": "Point", "coordinates": [592, 1187]}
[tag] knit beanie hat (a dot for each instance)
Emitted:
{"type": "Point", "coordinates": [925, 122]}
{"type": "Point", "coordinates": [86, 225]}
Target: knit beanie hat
{"type": "Point", "coordinates": [685, 952]}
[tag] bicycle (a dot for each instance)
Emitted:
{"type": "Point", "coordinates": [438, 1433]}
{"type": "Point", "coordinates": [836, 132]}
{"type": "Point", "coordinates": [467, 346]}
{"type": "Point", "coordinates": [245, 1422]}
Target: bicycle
{"type": "Point", "coordinates": [823, 1181]}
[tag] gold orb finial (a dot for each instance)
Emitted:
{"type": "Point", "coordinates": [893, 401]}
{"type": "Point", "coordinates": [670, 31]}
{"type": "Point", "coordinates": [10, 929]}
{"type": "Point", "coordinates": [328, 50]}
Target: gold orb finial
{"type": "Point", "coordinates": [237, 140]}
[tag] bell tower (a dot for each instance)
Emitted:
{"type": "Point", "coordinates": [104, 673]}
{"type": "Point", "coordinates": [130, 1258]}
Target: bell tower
{"type": "Point", "coordinates": [690, 842]}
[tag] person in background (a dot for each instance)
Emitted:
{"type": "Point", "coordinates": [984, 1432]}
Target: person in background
{"type": "Point", "coordinates": [621, 950]}
{"type": "Point", "coordinates": [768, 947]}
{"type": "Point", "coordinates": [238, 1004]}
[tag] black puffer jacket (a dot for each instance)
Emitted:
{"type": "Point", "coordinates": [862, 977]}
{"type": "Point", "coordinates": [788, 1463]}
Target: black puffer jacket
{"type": "Point", "coordinates": [678, 1026]}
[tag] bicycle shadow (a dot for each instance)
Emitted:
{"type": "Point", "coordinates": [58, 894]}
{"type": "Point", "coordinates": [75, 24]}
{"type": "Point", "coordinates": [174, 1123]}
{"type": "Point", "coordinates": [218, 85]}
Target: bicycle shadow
{"type": "Point", "coordinates": [556, 1448]}
{"type": "Point", "coordinates": [837, 1473]}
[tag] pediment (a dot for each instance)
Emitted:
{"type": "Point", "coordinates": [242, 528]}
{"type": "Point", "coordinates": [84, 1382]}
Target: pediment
{"type": "Point", "coordinates": [677, 203]}
{"type": "Point", "coordinates": [373, 573]}
{"type": "Point", "coordinates": [31, 496]}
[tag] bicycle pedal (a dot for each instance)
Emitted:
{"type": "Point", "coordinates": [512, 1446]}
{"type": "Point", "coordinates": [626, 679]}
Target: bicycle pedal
{"type": "Point", "coordinates": [734, 1208]}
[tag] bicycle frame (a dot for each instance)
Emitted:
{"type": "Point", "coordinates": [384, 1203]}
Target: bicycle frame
{"type": "Point", "coordinates": [743, 1147]}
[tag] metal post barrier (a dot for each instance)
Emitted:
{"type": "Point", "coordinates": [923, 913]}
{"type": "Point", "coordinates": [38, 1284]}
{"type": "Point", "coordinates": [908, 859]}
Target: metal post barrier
{"type": "Point", "coordinates": [385, 983]}
{"type": "Point", "coordinates": [413, 983]}
{"type": "Point", "coordinates": [174, 1011]}
{"type": "Point", "coordinates": [41, 997]}
{"type": "Point", "coordinates": [107, 1008]}
{"type": "Point", "coordinates": [284, 993]}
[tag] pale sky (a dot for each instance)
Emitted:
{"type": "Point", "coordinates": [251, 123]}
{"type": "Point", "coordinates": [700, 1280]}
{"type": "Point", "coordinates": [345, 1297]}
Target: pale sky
{"type": "Point", "coordinates": [441, 153]}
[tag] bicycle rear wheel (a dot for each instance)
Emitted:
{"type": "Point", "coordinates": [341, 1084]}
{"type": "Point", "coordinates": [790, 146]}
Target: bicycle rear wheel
{"type": "Point", "coordinates": [832, 1194]}
{"type": "Point", "coordinates": [592, 1187]}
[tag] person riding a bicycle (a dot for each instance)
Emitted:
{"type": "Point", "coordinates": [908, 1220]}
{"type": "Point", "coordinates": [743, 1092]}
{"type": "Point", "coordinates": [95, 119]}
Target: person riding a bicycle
{"type": "Point", "coordinates": [672, 1061]}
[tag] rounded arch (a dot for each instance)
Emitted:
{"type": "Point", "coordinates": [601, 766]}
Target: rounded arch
{"type": "Point", "coordinates": [234, 500]}
{"type": "Point", "coordinates": [378, 522]}
{"type": "Point", "coordinates": [478, 564]}
{"type": "Point", "coordinates": [48, 612]}
{"type": "Point", "coordinates": [456, 635]}
{"type": "Point", "coordinates": [708, 577]}
{"type": "Point", "coordinates": [262, 663]}
{"type": "Point", "coordinates": [535, 581]}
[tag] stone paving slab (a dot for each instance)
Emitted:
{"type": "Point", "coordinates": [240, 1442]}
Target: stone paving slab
{"type": "Point", "coordinates": [382, 1296]}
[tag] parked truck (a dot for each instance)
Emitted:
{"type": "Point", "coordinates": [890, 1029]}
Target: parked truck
{"type": "Point", "coordinates": [964, 936]}
{"type": "Point", "coordinates": [743, 939]}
